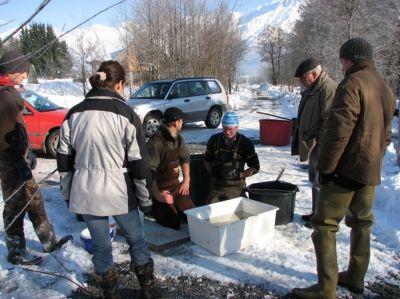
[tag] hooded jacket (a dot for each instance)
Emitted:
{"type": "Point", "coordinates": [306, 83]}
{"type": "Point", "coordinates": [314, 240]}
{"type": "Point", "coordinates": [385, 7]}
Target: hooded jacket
{"type": "Point", "coordinates": [102, 156]}
{"type": "Point", "coordinates": [359, 126]}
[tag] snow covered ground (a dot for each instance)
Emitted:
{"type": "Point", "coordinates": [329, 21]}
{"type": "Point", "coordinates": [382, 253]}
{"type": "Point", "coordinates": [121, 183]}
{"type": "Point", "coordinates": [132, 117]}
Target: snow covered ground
{"type": "Point", "coordinates": [286, 262]}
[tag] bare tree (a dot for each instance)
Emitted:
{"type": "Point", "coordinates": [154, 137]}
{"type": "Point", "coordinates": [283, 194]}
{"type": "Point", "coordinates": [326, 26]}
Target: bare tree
{"type": "Point", "coordinates": [86, 52]}
{"type": "Point", "coordinates": [271, 46]}
{"type": "Point", "coordinates": [324, 25]}
{"type": "Point", "coordinates": [182, 38]}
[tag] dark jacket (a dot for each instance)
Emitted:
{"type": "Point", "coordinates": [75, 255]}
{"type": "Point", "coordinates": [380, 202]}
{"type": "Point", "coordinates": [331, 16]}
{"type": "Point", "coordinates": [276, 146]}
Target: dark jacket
{"type": "Point", "coordinates": [228, 160]}
{"type": "Point", "coordinates": [359, 126]}
{"type": "Point", "coordinates": [313, 111]}
{"type": "Point", "coordinates": [13, 135]}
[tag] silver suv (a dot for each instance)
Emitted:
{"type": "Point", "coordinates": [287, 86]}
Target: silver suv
{"type": "Point", "coordinates": [200, 99]}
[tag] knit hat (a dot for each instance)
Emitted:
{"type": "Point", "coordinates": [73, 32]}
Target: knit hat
{"type": "Point", "coordinates": [172, 114]}
{"type": "Point", "coordinates": [356, 49]}
{"type": "Point", "coordinates": [230, 119]}
{"type": "Point", "coordinates": [13, 62]}
{"type": "Point", "coordinates": [306, 66]}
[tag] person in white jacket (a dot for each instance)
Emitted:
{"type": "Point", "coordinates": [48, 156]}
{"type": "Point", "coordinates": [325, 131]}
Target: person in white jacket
{"type": "Point", "coordinates": [103, 163]}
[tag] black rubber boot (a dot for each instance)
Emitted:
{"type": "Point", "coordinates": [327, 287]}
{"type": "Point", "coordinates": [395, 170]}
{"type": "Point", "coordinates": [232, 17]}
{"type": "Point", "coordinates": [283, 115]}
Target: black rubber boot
{"type": "Point", "coordinates": [109, 284]}
{"type": "Point", "coordinates": [145, 275]}
{"type": "Point", "coordinates": [17, 253]}
{"type": "Point", "coordinates": [24, 259]}
{"type": "Point", "coordinates": [59, 243]}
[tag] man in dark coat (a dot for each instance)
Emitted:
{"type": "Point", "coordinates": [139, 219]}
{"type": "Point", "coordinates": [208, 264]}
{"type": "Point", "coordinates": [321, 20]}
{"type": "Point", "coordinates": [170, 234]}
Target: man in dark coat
{"type": "Point", "coordinates": [316, 100]}
{"type": "Point", "coordinates": [357, 132]}
{"type": "Point", "coordinates": [20, 192]}
{"type": "Point", "coordinates": [226, 156]}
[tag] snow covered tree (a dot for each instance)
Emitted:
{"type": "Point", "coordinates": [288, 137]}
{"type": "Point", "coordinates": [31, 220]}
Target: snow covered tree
{"type": "Point", "coordinates": [49, 55]}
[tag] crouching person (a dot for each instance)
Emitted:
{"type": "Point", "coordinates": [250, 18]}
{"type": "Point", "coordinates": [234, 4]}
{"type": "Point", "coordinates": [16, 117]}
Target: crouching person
{"type": "Point", "coordinates": [20, 191]}
{"type": "Point", "coordinates": [102, 160]}
{"type": "Point", "coordinates": [167, 153]}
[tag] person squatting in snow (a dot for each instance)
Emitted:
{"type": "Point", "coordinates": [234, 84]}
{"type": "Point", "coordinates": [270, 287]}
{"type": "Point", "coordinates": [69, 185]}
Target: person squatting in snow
{"type": "Point", "coordinates": [225, 158]}
{"type": "Point", "coordinates": [20, 191]}
{"type": "Point", "coordinates": [358, 130]}
{"type": "Point", "coordinates": [167, 153]}
{"type": "Point", "coordinates": [103, 163]}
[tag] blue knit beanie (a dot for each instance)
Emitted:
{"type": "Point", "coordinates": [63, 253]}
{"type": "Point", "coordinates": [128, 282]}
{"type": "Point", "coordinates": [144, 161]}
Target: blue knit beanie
{"type": "Point", "coordinates": [230, 119]}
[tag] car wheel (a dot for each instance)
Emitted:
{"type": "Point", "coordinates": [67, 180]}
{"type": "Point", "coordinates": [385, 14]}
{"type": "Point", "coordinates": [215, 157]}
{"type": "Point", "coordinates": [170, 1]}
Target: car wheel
{"type": "Point", "coordinates": [52, 143]}
{"type": "Point", "coordinates": [151, 124]}
{"type": "Point", "coordinates": [213, 118]}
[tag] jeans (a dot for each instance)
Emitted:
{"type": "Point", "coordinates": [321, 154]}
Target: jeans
{"type": "Point", "coordinates": [131, 228]}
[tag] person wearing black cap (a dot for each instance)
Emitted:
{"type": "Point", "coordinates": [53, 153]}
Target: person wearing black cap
{"type": "Point", "coordinates": [316, 100]}
{"type": "Point", "coordinates": [20, 192]}
{"type": "Point", "coordinates": [167, 153]}
{"type": "Point", "coordinates": [357, 132]}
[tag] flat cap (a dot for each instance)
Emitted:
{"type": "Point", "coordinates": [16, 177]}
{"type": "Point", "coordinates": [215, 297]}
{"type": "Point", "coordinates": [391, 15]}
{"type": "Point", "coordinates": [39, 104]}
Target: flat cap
{"type": "Point", "coordinates": [306, 66]}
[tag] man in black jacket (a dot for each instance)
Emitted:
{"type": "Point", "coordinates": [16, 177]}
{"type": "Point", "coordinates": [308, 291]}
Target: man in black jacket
{"type": "Point", "coordinates": [225, 158]}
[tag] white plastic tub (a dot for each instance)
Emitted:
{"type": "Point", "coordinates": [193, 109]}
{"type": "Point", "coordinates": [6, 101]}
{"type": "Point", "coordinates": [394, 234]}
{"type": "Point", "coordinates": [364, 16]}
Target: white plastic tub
{"type": "Point", "coordinates": [231, 225]}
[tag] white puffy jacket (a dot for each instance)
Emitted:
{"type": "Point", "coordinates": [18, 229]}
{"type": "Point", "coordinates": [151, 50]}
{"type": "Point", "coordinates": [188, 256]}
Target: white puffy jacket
{"type": "Point", "coordinates": [102, 157]}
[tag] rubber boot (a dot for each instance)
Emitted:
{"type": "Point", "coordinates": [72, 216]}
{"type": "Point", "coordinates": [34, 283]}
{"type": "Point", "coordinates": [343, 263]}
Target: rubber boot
{"type": "Point", "coordinates": [345, 280]}
{"type": "Point", "coordinates": [17, 253]}
{"type": "Point", "coordinates": [360, 220]}
{"type": "Point", "coordinates": [58, 243]}
{"type": "Point", "coordinates": [109, 284]}
{"type": "Point", "coordinates": [145, 275]}
{"type": "Point", "coordinates": [325, 224]}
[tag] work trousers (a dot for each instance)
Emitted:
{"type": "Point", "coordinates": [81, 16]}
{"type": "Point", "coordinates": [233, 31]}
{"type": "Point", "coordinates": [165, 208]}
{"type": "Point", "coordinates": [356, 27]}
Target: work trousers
{"type": "Point", "coordinates": [171, 215]}
{"type": "Point", "coordinates": [15, 237]}
{"type": "Point", "coordinates": [220, 193]}
{"type": "Point", "coordinates": [334, 204]}
{"type": "Point", "coordinates": [131, 227]}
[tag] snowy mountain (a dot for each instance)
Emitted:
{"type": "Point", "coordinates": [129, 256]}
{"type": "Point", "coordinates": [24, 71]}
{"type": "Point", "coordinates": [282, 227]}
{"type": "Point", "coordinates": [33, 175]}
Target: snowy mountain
{"type": "Point", "coordinates": [283, 13]}
{"type": "Point", "coordinates": [106, 39]}
{"type": "Point", "coordinates": [275, 12]}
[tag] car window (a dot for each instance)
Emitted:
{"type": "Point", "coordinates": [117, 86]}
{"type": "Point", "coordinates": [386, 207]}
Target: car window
{"type": "Point", "coordinates": [197, 88]}
{"type": "Point", "coordinates": [179, 90]}
{"type": "Point", "coordinates": [39, 102]}
{"type": "Point", "coordinates": [213, 86]}
{"type": "Point", "coordinates": [153, 91]}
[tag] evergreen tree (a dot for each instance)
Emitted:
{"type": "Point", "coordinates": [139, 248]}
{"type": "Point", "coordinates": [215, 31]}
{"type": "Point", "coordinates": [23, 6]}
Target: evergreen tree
{"type": "Point", "coordinates": [49, 55]}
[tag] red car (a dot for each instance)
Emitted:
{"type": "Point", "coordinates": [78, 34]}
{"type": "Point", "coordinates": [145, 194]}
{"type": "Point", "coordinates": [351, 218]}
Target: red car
{"type": "Point", "coordinates": [43, 119]}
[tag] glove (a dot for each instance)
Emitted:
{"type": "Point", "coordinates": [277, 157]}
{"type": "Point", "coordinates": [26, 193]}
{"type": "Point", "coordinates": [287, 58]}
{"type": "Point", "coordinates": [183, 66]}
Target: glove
{"type": "Point", "coordinates": [326, 178]}
{"type": "Point", "coordinates": [32, 159]}
{"type": "Point", "coordinates": [145, 210]}
{"type": "Point", "coordinates": [24, 172]}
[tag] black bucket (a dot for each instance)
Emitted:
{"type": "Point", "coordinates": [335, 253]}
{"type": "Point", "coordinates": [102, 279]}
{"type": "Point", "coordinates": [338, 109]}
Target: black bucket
{"type": "Point", "coordinates": [278, 194]}
{"type": "Point", "coordinates": [200, 180]}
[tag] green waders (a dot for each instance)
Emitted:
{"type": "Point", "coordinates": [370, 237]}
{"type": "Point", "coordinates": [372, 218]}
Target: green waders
{"type": "Point", "coordinates": [334, 204]}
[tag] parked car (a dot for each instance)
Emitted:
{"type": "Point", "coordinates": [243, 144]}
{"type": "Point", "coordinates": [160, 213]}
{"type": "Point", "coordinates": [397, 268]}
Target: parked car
{"type": "Point", "coordinates": [43, 119]}
{"type": "Point", "coordinates": [200, 99]}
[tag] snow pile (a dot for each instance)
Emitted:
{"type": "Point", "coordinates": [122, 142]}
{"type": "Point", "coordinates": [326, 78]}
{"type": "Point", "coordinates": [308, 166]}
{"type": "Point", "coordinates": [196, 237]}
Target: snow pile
{"type": "Point", "coordinates": [286, 262]}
